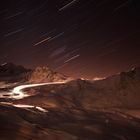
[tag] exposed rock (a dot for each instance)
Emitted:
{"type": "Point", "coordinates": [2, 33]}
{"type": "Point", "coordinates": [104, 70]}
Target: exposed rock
{"type": "Point", "coordinates": [44, 74]}
{"type": "Point", "coordinates": [13, 73]}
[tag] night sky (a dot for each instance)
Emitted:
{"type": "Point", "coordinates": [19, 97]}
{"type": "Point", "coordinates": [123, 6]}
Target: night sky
{"type": "Point", "coordinates": [80, 38]}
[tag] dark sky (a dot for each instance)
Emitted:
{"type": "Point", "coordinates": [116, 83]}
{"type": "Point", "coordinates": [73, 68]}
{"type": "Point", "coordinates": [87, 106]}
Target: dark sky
{"type": "Point", "coordinates": [81, 38]}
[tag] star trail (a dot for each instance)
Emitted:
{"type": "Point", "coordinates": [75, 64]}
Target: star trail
{"type": "Point", "coordinates": [80, 38]}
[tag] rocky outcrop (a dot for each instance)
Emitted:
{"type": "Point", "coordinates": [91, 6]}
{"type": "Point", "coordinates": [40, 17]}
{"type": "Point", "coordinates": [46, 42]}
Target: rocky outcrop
{"type": "Point", "coordinates": [44, 74]}
{"type": "Point", "coordinates": [10, 72]}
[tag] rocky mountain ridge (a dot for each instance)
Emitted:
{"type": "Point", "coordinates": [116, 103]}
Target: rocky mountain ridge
{"type": "Point", "coordinates": [45, 74]}
{"type": "Point", "coordinates": [118, 91]}
{"type": "Point", "coordinates": [16, 73]}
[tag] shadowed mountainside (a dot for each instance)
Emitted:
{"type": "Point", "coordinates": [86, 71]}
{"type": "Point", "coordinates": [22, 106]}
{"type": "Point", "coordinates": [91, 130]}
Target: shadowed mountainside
{"type": "Point", "coordinates": [118, 91]}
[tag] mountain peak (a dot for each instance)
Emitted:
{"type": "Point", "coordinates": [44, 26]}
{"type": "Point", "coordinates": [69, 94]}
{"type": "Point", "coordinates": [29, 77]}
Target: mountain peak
{"type": "Point", "coordinates": [45, 74]}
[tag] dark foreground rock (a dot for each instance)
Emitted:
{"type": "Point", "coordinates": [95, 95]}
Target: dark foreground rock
{"type": "Point", "coordinates": [69, 124]}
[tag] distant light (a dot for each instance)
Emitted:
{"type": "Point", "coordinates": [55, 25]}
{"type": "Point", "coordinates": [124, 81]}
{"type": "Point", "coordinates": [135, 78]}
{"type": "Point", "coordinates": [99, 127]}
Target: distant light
{"type": "Point", "coordinates": [98, 78]}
